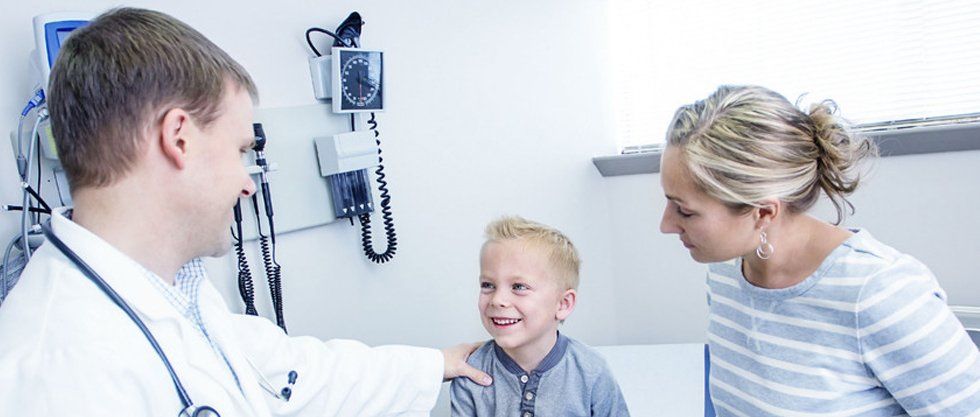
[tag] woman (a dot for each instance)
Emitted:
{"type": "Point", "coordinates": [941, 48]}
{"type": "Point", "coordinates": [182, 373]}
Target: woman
{"type": "Point", "coordinates": [806, 318]}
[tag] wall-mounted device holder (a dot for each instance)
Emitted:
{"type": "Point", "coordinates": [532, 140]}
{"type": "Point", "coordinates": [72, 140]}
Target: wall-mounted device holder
{"type": "Point", "coordinates": [353, 79]}
{"type": "Point", "coordinates": [344, 159]}
{"type": "Point", "coordinates": [267, 237]}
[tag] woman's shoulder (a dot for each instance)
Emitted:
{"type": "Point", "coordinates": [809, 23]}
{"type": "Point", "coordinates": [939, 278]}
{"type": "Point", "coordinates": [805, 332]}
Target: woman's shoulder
{"type": "Point", "coordinates": [879, 267]}
{"type": "Point", "coordinates": [866, 252]}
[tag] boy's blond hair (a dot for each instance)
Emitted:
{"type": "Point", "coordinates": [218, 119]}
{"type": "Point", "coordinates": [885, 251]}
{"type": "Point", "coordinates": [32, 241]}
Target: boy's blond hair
{"type": "Point", "coordinates": [561, 252]}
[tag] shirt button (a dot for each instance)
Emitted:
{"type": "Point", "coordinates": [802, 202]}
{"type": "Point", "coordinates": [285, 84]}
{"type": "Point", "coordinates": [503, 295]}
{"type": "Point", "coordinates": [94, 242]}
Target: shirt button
{"type": "Point", "coordinates": [529, 395]}
{"type": "Point", "coordinates": [528, 414]}
{"type": "Point", "coordinates": [524, 378]}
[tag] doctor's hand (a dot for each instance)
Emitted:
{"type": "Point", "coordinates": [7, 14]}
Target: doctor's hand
{"type": "Point", "coordinates": [456, 365]}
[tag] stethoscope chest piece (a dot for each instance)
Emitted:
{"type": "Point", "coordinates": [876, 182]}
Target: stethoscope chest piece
{"type": "Point", "coordinates": [203, 411]}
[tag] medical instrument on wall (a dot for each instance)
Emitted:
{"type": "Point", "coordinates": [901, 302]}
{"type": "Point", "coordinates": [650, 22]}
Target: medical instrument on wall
{"type": "Point", "coordinates": [353, 79]}
{"type": "Point", "coordinates": [267, 243]}
{"type": "Point", "coordinates": [50, 32]}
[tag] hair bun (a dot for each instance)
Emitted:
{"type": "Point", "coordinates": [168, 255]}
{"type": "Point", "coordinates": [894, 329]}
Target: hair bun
{"type": "Point", "coordinates": [840, 152]}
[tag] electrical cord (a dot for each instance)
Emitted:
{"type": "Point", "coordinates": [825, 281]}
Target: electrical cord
{"type": "Point", "coordinates": [24, 161]}
{"type": "Point", "coordinates": [272, 269]}
{"type": "Point", "coordinates": [246, 286]}
{"type": "Point", "coordinates": [37, 216]}
{"type": "Point", "coordinates": [21, 160]}
{"type": "Point", "coordinates": [347, 34]}
{"type": "Point", "coordinates": [35, 210]}
{"type": "Point", "coordinates": [309, 41]}
{"type": "Point", "coordinates": [386, 214]}
{"type": "Point", "coordinates": [45, 208]}
{"type": "Point", "coordinates": [36, 100]}
{"type": "Point", "coordinates": [26, 186]}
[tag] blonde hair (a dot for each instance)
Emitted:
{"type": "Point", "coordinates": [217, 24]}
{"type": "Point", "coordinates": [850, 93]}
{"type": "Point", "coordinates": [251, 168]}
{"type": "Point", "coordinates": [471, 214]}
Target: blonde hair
{"type": "Point", "coordinates": [744, 144]}
{"type": "Point", "coordinates": [561, 252]}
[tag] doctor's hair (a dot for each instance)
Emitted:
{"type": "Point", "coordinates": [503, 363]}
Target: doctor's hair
{"type": "Point", "coordinates": [117, 76]}
{"type": "Point", "coordinates": [744, 144]}
{"type": "Point", "coordinates": [559, 248]}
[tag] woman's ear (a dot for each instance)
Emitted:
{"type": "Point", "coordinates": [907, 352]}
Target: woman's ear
{"type": "Point", "coordinates": [767, 212]}
{"type": "Point", "coordinates": [174, 128]}
{"type": "Point", "coordinates": [566, 305]}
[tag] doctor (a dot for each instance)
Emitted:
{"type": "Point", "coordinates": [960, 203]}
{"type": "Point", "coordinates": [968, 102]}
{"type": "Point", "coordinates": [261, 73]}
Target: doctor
{"type": "Point", "coordinates": [151, 121]}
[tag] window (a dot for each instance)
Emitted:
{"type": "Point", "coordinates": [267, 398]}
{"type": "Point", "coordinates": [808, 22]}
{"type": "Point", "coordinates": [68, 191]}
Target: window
{"type": "Point", "coordinates": [881, 61]}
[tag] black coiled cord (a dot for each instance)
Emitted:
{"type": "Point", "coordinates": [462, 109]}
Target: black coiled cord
{"type": "Point", "coordinates": [386, 214]}
{"type": "Point", "coordinates": [273, 271]}
{"type": "Point", "coordinates": [245, 285]}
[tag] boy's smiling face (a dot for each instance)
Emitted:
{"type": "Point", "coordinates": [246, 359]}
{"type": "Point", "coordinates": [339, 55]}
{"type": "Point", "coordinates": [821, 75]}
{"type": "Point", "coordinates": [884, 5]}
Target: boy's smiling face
{"type": "Point", "coordinates": [521, 300]}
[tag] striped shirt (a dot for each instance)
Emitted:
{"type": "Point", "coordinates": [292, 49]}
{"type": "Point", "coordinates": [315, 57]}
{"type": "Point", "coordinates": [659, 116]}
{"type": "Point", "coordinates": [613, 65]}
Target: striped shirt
{"type": "Point", "coordinates": [868, 334]}
{"type": "Point", "coordinates": [184, 296]}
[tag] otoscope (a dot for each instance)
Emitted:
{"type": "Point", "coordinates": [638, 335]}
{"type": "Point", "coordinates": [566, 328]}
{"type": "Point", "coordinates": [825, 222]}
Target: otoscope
{"type": "Point", "coordinates": [273, 270]}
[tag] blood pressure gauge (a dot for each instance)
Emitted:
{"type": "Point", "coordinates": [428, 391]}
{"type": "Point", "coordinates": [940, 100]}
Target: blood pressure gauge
{"type": "Point", "coordinates": [358, 82]}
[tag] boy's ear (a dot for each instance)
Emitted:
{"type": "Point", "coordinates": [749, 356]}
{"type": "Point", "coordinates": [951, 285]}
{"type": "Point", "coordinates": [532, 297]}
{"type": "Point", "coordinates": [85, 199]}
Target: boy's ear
{"type": "Point", "coordinates": [566, 304]}
{"type": "Point", "coordinates": [174, 127]}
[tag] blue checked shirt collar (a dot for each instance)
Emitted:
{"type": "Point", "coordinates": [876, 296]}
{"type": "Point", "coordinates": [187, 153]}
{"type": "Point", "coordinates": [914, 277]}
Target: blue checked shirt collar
{"type": "Point", "coordinates": [184, 296]}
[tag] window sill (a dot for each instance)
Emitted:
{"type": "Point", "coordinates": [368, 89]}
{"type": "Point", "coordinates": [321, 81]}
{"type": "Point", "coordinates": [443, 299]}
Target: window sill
{"type": "Point", "coordinates": [910, 141]}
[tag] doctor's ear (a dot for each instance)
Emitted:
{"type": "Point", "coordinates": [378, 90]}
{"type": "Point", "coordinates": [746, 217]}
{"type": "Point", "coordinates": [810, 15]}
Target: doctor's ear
{"type": "Point", "coordinates": [767, 212]}
{"type": "Point", "coordinates": [175, 126]}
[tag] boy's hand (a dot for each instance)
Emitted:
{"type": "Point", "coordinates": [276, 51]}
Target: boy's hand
{"type": "Point", "coordinates": [456, 365]}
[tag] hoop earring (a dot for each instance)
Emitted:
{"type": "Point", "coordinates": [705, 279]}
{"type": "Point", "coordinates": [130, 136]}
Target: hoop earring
{"type": "Point", "coordinates": [765, 249]}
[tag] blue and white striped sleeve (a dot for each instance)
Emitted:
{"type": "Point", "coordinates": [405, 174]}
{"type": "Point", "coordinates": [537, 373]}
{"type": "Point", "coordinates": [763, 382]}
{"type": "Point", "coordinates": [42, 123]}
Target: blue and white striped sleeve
{"type": "Point", "coordinates": [914, 344]}
{"type": "Point", "coordinates": [707, 288]}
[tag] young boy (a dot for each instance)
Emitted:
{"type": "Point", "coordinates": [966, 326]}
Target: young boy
{"type": "Point", "coordinates": [528, 276]}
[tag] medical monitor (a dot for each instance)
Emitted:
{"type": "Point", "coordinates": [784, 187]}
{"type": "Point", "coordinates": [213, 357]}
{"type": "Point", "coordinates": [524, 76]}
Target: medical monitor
{"type": "Point", "coordinates": [50, 32]}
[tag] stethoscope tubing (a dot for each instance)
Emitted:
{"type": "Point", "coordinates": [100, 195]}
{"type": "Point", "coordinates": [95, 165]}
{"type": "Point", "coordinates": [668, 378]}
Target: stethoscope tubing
{"type": "Point", "coordinates": [90, 273]}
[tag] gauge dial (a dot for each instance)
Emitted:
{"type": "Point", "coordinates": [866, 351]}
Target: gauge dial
{"type": "Point", "coordinates": [360, 79]}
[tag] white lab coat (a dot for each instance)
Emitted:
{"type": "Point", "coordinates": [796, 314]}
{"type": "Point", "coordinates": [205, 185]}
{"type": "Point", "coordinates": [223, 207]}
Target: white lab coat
{"type": "Point", "coordinates": [67, 350]}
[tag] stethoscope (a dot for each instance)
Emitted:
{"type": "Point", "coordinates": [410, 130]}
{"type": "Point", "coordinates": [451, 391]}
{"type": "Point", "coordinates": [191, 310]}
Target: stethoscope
{"type": "Point", "coordinates": [189, 410]}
